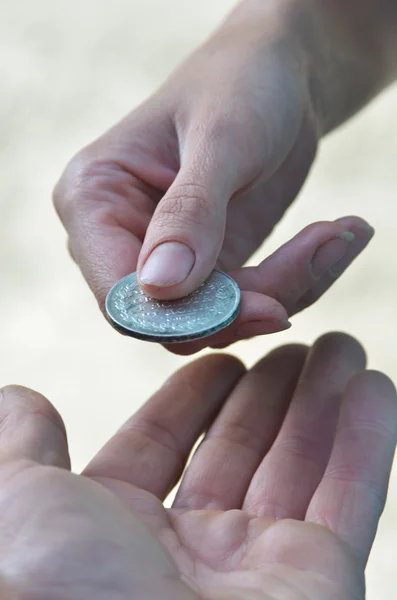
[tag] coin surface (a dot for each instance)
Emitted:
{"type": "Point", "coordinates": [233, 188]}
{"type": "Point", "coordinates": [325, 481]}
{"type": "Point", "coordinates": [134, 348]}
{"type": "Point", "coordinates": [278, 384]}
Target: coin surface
{"type": "Point", "coordinates": [210, 308]}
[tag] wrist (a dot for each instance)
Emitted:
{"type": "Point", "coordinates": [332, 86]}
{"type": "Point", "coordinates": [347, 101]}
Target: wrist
{"type": "Point", "coordinates": [350, 50]}
{"type": "Point", "coordinates": [282, 30]}
{"type": "Point", "coordinates": [304, 27]}
{"type": "Point", "coordinates": [343, 49]}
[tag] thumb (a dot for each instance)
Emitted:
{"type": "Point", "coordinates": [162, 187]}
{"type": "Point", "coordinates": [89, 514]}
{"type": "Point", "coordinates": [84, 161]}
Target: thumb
{"type": "Point", "coordinates": [186, 233]}
{"type": "Point", "coordinates": [31, 429]}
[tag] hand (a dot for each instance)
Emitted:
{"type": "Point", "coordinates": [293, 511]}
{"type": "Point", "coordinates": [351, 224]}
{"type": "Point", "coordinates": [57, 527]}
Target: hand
{"type": "Point", "coordinates": [281, 499]}
{"type": "Point", "coordinates": [199, 175]}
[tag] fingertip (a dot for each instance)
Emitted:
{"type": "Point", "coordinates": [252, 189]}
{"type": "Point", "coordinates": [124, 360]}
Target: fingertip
{"type": "Point", "coordinates": [213, 365]}
{"type": "Point", "coordinates": [177, 280]}
{"type": "Point", "coordinates": [14, 397]}
{"type": "Point", "coordinates": [318, 233]}
{"type": "Point", "coordinates": [185, 349]}
{"type": "Point", "coordinates": [357, 225]}
{"type": "Point", "coordinates": [337, 342]}
{"type": "Point", "coordinates": [263, 327]}
{"type": "Point", "coordinates": [377, 389]}
{"type": "Point", "coordinates": [41, 434]}
{"type": "Point", "coordinates": [289, 357]}
{"type": "Point", "coordinates": [259, 315]}
{"type": "Point", "coordinates": [184, 237]}
{"type": "Point", "coordinates": [290, 352]}
{"type": "Point", "coordinates": [166, 267]}
{"type": "Point", "coordinates": [256, 306]}
{"type": "Point", "coordinates": [225, 362]}
{"type": "Point", "coordinates": [381, 381]}
{"type": "Point", "coordinates": [370, 405]}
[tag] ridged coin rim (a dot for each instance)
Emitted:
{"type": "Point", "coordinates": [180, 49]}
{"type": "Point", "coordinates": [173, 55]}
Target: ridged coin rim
{"type": "Point", "coordinates": [170, 338]}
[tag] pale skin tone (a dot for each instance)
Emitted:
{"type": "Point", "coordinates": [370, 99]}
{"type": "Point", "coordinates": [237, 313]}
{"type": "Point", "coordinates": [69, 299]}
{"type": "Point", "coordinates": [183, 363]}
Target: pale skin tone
{"type": "Point", "coordinates": [280, 501]}
{"type": "Point", "coordinates": [210, 163]}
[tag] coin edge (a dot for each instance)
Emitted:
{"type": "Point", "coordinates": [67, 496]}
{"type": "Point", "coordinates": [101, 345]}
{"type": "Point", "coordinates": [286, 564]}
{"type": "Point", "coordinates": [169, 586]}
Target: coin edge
{"type": "Point", "coordinates": [168, 338]}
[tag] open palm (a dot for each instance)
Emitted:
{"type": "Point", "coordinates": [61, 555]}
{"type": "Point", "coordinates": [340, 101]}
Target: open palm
{"type": "Point", "coordinates": [281, 499]}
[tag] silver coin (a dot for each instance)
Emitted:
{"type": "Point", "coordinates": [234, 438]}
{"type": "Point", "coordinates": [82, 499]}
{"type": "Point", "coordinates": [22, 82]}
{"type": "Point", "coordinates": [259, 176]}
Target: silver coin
{"type": "Point", "coordinates": [212, 307]}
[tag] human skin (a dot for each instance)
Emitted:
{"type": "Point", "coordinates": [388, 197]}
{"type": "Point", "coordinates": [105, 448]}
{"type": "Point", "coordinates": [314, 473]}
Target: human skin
{"type": "Point", "coordinates": [199, 174]}
{"type": "Point", "coordinates": [280, 501]}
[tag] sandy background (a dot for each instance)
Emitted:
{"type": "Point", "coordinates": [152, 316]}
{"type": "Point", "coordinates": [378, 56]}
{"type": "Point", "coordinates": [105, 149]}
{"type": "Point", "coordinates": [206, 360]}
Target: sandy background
{"type": "Point", "coordinates": [68, 71]}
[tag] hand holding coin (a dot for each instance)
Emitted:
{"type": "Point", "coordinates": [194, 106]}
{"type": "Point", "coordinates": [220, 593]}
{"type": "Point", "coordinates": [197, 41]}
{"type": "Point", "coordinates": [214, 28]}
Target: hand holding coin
{"type": "Point", "coordinates": [196, 177]}
{"type": "Point", "coordinates": [211, 308]}
{"type": "Point", "coordinates": [248, 302]}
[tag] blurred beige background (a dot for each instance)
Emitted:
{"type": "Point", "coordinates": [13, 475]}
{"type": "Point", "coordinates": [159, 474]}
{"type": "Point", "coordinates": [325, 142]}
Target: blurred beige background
{"type": "Point", "coordinates": [68, 71]}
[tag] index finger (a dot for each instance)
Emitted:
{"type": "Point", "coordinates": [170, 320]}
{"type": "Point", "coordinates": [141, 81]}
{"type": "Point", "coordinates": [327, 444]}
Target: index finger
{"type": "Point", "coordinates": [108, 193]}
{"type": "Point", "coordinates": [151, 449]}
{"type": "Point", "coordinates": [105, 212]}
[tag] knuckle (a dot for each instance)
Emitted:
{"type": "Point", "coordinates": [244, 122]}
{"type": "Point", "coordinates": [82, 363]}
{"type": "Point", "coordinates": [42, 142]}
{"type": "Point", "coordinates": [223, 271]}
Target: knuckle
{"type": "Point", "coordinates": [360, 478]}
{"type": "Point", "coordinates": [22, 400]}
{"type": "Point", "coordinates": [75, 181]}
{"type": "Point", "coordinates": [185, 205]}
{"type": "Point", "coordinates": [240, 133]}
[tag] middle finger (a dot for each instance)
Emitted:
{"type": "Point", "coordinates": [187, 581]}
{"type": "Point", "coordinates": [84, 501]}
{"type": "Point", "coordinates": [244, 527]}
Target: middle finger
{"type": "Point", "coordinates": [221, 469]}
{"type": "Point", "coordinates": [291, 279]}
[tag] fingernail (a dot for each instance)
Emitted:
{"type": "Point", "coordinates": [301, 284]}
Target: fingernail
{"type": "Point", "coordinates": [253, 328]}
{"type": "Point", "coordinates": [168, 264]}
{"type": "Point", "coordinates": [364, 234]}
{"type": "Point", "coordinates": [330, 253]}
